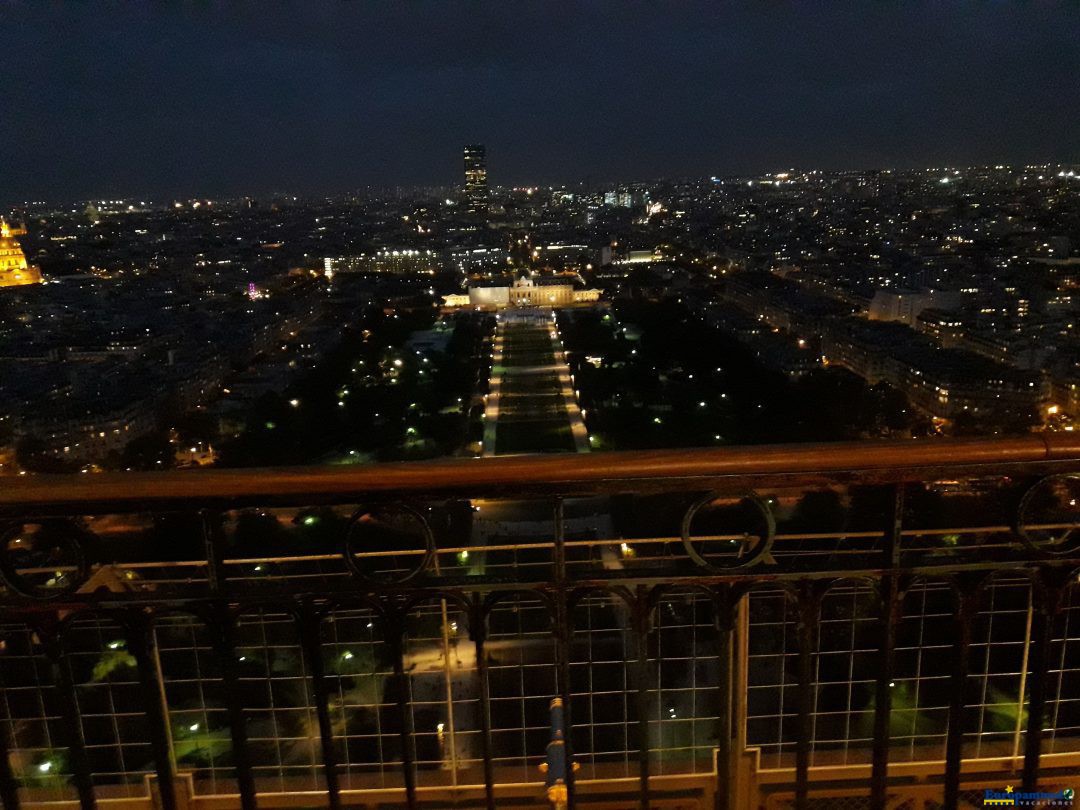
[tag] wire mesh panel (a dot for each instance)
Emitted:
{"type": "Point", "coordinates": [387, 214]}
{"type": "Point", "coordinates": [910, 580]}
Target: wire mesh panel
{"type": "Point", "coordinates": [280, 720]}
{"type": "Point", "coordinates": [921, 684]}
{"type": "Point", "coordinates": [443, 694]}
{"type": "Point", "coordinates": [110, 705]}
{"type": "Point", "coordinates": [996, 715]}
{"type": "Point", "coordinates": [363, 710]}
{"type": "Point", "coordinates": [520, 653]}
{"type": "Point", "coordinates": [846, 665]}
{"type": "Point", "coordinates": [845, 669]}
{"type": "Point", "coordinates": [771, 698]}
{"type": "Point", "coordinates": [196, 700]}
{"type": "Point", "coordinates": [603, 685]}
{"type": "Point", "coordinates": [1063, 705]}
{"type": "Point", "coordinates": [32, 719]}
{"type": "Point", "coordinates": [684, 684]}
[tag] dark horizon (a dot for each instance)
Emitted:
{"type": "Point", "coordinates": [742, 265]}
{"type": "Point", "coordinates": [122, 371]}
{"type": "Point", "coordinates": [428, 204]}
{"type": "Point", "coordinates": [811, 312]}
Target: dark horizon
{"type": "Point", "coordinates": [178, 102]}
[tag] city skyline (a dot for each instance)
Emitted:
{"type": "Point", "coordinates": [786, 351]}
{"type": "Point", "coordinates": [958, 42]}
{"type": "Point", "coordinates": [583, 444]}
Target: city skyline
{"type": "Point", "coordinates": [921, 302]}
{"type": "Point", "coordinates": [334, 102]}
{"type": "Point", "coordinates": [586, 185]}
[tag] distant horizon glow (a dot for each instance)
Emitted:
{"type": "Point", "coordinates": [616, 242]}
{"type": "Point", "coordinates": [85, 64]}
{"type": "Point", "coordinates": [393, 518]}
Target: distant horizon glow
{"type": "Point", "coordinates": [167, 202]}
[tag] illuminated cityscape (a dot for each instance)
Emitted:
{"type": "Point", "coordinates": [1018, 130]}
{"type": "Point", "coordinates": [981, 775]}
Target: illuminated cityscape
{"type": "Point", "coordinates": [863, 297]}
{"type": "Point", "coordinates": [676, 462]}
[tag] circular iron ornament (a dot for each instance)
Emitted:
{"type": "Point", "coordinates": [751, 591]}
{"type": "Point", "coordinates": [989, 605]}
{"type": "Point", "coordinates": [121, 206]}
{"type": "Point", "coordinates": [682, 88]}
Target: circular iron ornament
{"type": "Point", "coordinates": [759, 553]}
{"type": "Point", "coordinates": [422, 561]}
{"type": "Point", "coordinates": [1056, 544]}
{"type": "Point", "coordinates": [59, 549]}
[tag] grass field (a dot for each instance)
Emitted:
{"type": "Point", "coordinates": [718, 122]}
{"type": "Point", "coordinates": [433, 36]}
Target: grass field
{"type": "Point", "coordinates": [532, 415]}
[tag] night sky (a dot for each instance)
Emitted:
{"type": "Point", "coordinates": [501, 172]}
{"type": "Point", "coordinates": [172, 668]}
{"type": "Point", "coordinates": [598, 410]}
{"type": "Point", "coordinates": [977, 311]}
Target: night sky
{"type": "Point", "coordinates": [216, 98]}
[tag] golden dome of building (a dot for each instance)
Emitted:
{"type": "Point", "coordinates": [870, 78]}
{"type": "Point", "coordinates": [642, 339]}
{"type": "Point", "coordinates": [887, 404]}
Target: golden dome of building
{"type": "Point", "coordinates": [14, 271]}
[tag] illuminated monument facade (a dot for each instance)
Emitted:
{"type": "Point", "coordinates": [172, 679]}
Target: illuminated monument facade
{"type": "Point", "coordinates": [14, 271]}
{"type": "Point", "coordinates": [525, 292]}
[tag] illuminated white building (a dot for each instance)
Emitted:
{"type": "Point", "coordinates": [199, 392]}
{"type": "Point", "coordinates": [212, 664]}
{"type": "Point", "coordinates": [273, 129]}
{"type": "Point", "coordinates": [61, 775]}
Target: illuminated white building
{"type": "Point", "coordinates": [525, 292]}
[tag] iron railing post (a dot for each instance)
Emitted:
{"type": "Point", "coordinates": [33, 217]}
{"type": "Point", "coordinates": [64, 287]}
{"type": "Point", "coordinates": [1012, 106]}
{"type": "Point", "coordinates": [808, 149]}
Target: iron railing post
{"type": "Point", "coordinates": [964, 609]}
{"type": "Point", "coordinates": [9, 788]}
{"type": "Point", "coordinates": [889, 594]}
{"type": "Point", "coordinates": [309, 624]}
{"type": "Point", "coordinates": [1047, 598]}
{"type": "Point", "coordinates": [478, 629]}
{"type": "Point", "coordinates": [69, 704]}
{"type": "Point", "coordinates": [395, 639]}
{"type": "Point", "coordinates": [140, 638]}
{"type": "Point", "coordinates": [563, 634]}
{"type": "Point", "coordinates": [642, 610]}
{"type": "Point", "coordinates": [809, 605]}
{"type": "Point", "coordinates": [223, 636]}
{"type": "Point", "coordinates": [727, 730]}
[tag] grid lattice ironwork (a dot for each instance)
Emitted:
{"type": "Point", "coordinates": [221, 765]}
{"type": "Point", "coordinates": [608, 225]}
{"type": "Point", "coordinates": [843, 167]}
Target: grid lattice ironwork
{"type": "Point", "coordinates": [419, 643]}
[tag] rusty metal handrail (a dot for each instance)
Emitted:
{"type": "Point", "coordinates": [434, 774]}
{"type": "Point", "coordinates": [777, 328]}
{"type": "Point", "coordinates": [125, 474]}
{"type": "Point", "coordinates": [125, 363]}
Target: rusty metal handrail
{"type": "Point", "coordinates": [790, 464]}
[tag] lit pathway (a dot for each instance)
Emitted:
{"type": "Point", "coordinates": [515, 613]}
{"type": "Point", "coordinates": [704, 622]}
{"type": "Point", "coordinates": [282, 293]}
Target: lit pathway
{"type": "Point", "coordinates": [531, 406]}
{"type": "Point", "coordinates": [570, 400]}
{"type": "Point", "coordinates": [491, 401]}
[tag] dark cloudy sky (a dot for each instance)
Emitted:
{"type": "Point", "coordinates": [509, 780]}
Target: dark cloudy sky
{"type": "Point", "coordinates": [206, 98]}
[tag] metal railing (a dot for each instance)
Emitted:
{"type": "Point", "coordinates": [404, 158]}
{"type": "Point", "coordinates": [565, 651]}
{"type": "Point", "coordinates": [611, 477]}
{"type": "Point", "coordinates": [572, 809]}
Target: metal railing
{"type": "Point", "coordinates": [390, 542]}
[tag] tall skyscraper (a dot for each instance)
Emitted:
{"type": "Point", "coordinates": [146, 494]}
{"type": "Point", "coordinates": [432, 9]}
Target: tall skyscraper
{"type": "Point", "coordinates": [476, 190]}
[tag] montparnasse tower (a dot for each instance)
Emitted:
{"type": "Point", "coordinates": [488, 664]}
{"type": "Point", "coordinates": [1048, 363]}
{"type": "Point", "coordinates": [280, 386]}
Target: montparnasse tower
{"type": "Point", "coordinates": [14, 271]}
